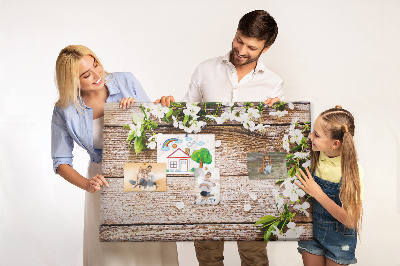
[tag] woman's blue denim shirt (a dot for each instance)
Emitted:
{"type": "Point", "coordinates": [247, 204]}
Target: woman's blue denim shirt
{"type": "Point", "coordinates": [69, 125]}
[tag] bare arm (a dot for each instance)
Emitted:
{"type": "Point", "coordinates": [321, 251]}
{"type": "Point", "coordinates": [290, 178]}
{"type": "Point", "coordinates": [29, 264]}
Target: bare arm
{"type": "Point", "coordinates": [72, 176]}
{"type": "Point", "coordinates": [313, 189]}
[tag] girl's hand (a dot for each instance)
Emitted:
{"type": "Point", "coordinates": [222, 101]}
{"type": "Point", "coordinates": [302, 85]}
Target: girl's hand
{"type": "Point", "coordinates": [309, 185]}
{"type": "Point", "coordinates": [95, 183]}
{"type": "Point", "coordinates": [126, 102]}
{"type": "Point", "coordinates": [165, 100]}
{"type": "Point", "coordinates": [271, 101]}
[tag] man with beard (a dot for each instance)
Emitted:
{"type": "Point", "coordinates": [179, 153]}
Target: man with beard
{"type": "Point", "coordinates": [239, 76]}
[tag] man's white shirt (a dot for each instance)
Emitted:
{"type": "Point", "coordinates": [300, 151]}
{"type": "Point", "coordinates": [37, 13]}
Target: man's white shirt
{"type": "Point", "coordinates": [216, 80]}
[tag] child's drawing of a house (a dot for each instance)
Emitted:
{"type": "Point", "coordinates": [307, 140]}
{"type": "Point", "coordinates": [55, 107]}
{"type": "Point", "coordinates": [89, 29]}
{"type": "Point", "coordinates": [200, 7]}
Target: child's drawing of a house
{"type": "Point", "coordinates": [178, 161]}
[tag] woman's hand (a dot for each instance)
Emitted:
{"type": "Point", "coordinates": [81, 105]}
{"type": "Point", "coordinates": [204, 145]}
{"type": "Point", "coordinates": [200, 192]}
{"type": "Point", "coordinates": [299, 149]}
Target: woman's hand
{"type": "Point", "coordinates": [309, 185]}
{"type": "Point", "coordinates": [271, 101]}
{"type": "Point", "coordinates": [96, 183]}
{"type": "Point", "coordinates": [165, 100]}
{"type": "Point", "coordinates": [126, 102]}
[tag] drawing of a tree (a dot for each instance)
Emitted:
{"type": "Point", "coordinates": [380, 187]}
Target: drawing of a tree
{"type": "Point", "coordinates": [202, 156]}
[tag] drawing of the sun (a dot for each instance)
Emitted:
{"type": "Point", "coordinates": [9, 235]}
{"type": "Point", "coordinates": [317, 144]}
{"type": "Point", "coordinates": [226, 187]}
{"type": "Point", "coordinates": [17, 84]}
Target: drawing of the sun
{"type": "Point", "coordinates": [174, 145]}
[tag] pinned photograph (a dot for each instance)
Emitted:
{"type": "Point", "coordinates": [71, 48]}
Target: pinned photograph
{"type": "Point", "coordinates": [182, 153]}
{"type": "Point", "coordinates": [207, 186]}
{"type": "Point", "coordinates": [266, 165]}
{"type": "Point", "coordinates": [145, 177]}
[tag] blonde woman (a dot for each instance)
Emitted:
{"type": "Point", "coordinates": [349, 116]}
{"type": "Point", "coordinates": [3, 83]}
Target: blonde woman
{"type": "Point", "coordinates": [84, 87]}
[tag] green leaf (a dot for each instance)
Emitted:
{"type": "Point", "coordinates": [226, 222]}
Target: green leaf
{"type": "Point", "coordinates": [291, 172]}
{"type": "Point", "coordinates": [289, 156]}
{"type": "Point", "coordinates": [282, 224]}
{"type": "Point", "coordinates": [268, 232]}
{"type": "Point", "coordinates": [288, 163]}
{"type": "Point", "coordinates": [280, 181]}
{"type": "Point", "coordinates": [296, 148]}
{"type": "Point", "coordinates": [127, 127]}
{"type": "Point", "coordinates": [139, 145]}
{"type": "Point", "coordinates": [185, 119]}
{"type": "Point", "coordinates": [169, 113]}
{"type": "Point", "coordinates": [165, 119]}
{"type": "Point", "coordinates": [265, 219]}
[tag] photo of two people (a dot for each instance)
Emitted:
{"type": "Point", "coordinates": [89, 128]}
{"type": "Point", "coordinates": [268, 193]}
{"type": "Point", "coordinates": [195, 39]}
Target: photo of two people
{"type": "Point", "coordinates": [145, 177]}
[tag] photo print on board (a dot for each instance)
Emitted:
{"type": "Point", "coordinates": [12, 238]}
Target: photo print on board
{"type": "Point", "coordinates": [182, 153]}
{"type": "Point", "coordinates": [266, 165]}
{"type": "Point", "coordinates": [207, 186]}
{"type": "Point", "coordinates": [145, 177]}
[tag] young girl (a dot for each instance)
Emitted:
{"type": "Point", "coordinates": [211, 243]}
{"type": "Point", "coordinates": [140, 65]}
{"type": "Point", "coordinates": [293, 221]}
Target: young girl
{"type": "Point", "coordinates": [84, 87]}
{"type": "Point", "coordinates": [336, 188]}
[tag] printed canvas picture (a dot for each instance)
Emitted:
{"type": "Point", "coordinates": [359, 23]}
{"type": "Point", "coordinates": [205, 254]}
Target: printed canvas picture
{"type": "Point", "coordinates": [145, 177]}
{"type": "Point", "coordinates": [182, 153]}
{"type": "Point", "coordinates": [228, 170]}
{"type": "Point", "coordinates": [266, 165]}
{"type": "Point", "coordinates": [207, 186]}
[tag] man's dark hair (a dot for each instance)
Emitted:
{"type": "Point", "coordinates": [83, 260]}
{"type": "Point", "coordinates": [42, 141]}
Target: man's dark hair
{"type": "Point", "coordinates": [259, 24]}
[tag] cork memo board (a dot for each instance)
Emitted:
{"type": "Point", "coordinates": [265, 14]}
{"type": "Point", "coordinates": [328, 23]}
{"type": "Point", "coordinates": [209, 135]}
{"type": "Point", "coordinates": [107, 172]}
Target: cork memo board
{"type": "Point", "coordinates": [251, 153]}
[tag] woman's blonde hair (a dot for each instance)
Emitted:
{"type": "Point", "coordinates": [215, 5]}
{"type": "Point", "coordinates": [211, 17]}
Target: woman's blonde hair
{"type": "Point", "coordinates": [339, 125]}
{"type": "Point", "coordinates": [67, 75]}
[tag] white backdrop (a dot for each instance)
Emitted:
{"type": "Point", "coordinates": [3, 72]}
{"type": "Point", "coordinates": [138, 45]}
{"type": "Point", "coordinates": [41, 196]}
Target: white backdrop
{"type": "Point", "coordinates": [327, 52]}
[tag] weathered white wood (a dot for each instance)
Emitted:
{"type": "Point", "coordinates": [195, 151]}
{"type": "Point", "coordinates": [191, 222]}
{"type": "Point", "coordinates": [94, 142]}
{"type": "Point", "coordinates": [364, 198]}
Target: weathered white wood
{"type": "Point", "coordinates": [188, 232]}
{"type": "Point", "coordinates": [119, 207]}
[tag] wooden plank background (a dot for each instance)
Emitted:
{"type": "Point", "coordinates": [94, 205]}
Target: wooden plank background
{"type": "Point", "coordinates": [153, 216]}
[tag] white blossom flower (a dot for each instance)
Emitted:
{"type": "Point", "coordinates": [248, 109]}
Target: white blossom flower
{"type": "Point", "coordinates": [303, 208]}
{"type": "Point", "coordinates": [225, 116]}
{"type": "Point", "coordinates": [278, 198]}
{"type": "Point", "coordinates": [293, 232]}
{"type": "Point", "coordinates": [296, 136]}
{"type": "Point", "coordinates": [279, 113]}
{"type": "Point", "coordinates": [228, 103]}
{"type": "Point", "coordinates": [249, 125]}
{"type": "Point", "coordinates": [292, 191]}
{"type": "Point", "coordinates": [159, 111]}
{"type": "Point", "coordinates": [175, 123]}
{"type": "Point", "coordinates": [152, 145]}
{"type": "Point", "coordinates": [136, 129]}
{"type": "Point", "coordinates": [153, 141]}
{"type": "Point", "coordinates": [192, 109]}
{"type": "Point", "coordinates": [291, 106]}
{"type": "Point", "coordinates": [260, 127]}
{"type": "Point", "coordinates": [276, 232]}
{"type": "Point", "coordinates": [242, 118]}
{"type": "Point", "coordinates": [253, 113]}
{"type": "Point", "coordinates": [306, 164]}
{"type": "Point", "coordinates": [301, 155]}
{"type": "Point", "coordinates": [285, 142]}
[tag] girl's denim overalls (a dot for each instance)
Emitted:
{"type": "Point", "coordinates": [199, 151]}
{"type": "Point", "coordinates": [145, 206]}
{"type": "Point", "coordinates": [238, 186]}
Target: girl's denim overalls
{"type": "Point", "coordinates": [331, 238]}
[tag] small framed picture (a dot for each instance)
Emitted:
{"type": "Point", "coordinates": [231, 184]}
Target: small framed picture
{"type": "Point", "coordinates": [145, 177]}
{"type": "Point", "coordinates": [207, 186]}
{"type": "Point", "coordinates": [266, 165]}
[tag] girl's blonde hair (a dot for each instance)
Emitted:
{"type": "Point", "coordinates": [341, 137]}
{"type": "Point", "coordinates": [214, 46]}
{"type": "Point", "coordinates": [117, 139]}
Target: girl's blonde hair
{"type": "Point", "coordinates": [67, 75]}
{"type": "Point", "coordinates": [339, 125]}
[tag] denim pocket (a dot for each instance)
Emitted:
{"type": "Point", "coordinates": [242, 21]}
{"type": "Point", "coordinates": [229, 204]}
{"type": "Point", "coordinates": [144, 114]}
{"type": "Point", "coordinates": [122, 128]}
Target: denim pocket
{"type": "Point", "coordinates": [345, 231]}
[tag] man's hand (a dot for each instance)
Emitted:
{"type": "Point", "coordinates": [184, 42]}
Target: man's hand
{"type": "Point", "coordinates": [165, 100]}
{"type": "Point", "coordinates": [271, 101]}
